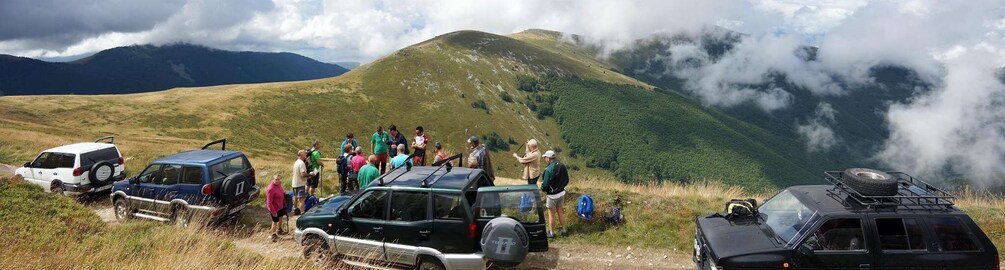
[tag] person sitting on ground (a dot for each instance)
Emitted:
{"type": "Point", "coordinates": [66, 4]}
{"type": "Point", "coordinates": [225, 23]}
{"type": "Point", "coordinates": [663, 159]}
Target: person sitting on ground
{"type": "Point", "coordinates": [419, 146]}
{"type": "Point", "coordinates": [349, 140]}
{"type": "Point", "coordinates": [367, 173]}
{"type": "Point", "coordinates": [275, 202]}
{"type": "Point", "coordinates": [400, 160]}
{"type": "Point", "coordinates": [479, 158]}
{"type": "Point", "coordinates": [357, 163]}
{"type": "Point", "coordinates": [555, 179]}
{"type": "Point", "coordinates": [531, 161]}
{"type": "Point", "coordinates": [299, 182]}
{"type": "Point", "coordinates": [440, 154]}
{"type": "Point", "coordinates": [315, 166]}
{"type": "Point", "coordinates": [380, 141]}
{"type": "Point", "coordinates": [394, 140]}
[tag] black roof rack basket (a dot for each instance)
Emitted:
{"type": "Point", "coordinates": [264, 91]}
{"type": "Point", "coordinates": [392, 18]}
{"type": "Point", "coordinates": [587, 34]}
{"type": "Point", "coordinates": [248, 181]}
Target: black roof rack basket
{"type": "Point", "coordinates": [110, 139]}
{"type": "Point", "coordinates": [221, 142]}
{"type": "Point", "coordinates": [911, 192]}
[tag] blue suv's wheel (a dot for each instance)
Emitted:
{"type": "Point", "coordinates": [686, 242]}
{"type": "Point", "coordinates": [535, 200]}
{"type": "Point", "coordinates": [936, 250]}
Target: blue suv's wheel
{"type": "Point", "coordinates": [182, 216]}
{"type": "Point", "coordinates": [122, 211]}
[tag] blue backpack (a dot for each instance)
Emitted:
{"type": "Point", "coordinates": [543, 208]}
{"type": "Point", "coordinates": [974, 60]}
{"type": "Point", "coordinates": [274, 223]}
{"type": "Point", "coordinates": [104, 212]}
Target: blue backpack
{"type": "Point", "coordinates": [288, 202]}
{"type": "Point", "coordinates": [526, 202]}
{"type": "Point", "coordinates": [584, 209]}
{"type": "Point", "coordinates": [310, 202]}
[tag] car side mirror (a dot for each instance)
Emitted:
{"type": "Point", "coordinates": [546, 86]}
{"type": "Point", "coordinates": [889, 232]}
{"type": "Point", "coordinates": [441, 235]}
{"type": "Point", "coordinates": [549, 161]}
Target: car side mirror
{"type": "Point", "coordinates": [133, 180]}
{"type": "Point", "coordinates": [27, 164]}
{"type": "Point", "coordinates": [344, 214]}
{"type": "Point", "coordinates": [806, 250]}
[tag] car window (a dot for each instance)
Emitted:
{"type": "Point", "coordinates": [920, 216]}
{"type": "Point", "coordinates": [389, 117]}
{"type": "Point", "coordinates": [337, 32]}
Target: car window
{"type": "Point", "coordinates": [231, 166]}
{"type": "Point", "coordinates": [838, 235]}
{"type": "Point", "coordinates": [170, 175]}
{"type": "Point", "coordinates": [952, 235]}
{"type": "Point", "coordinates": [150, 173]}
{"type": "Point", "coordinates": [107, 154]}
{"type": "Point", "coordinates": [40, 161]}
{"type": "Point", "coordinates": [409, 205]}
{"type": "Point", "coordinates": [900, 234]}
{"type": "Point", "coordinates": [521, 205]}
{"type": "Point", "coordinates": [370, 205]}
{"type": "Point", "coordinates": [67, 160]}
{"type": "Point", "coordinates": [448, 206]}
{"type": "Point", "coordinates": [50, 160]}
{"type": "Point", "coordinates": [191, 175]}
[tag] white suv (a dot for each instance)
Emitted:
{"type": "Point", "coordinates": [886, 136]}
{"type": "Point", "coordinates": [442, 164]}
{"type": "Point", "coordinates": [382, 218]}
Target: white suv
{"type": "Point", "coordinates": [77, 168]}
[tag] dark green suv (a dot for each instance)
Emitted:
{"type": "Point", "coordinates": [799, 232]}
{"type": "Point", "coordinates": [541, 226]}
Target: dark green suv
{"type": "Point", "coordinates": [428, 218]}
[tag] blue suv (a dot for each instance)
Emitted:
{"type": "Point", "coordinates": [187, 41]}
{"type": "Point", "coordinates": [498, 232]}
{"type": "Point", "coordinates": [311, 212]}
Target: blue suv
{"type": "Point", "coordinates": [209, 185]}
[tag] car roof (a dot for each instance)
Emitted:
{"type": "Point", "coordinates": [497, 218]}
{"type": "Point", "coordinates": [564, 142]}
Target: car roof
{"type": "Point", "coordinates": [199, 157]}
{"type": "Point", "coordinates": [456, 179]}
{"type": "Point", "coordinates": [823, 199]}
{"type": "Point", "coordinates": [79, 148]}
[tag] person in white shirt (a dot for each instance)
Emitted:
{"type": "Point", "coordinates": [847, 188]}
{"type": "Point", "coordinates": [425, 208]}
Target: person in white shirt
{"type": "Point", "coordinates": [419, 146]}
{"type": "Point", "coordinates": [300, 176]}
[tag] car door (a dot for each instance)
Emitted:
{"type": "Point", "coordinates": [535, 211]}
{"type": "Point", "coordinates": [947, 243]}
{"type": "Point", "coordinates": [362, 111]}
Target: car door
{"type": "Point", "coordinates": [520, 202]}
{"type": "Point", "coordinates": [365, 235]}
{"type": "Point", "coordinates": [408, 226]}
{"type": "Point", "coordinates": [838, 243]}
{"type": "Point", "coordinates": [903, 244]}
{"type": "Point", "coordinates": [165, 188]}
{"type": "Point", "coordinates": [452, 232]}
{"type": "Point", "coordinates": [42, 169]}
{"type": "Point", "coordinates": [141, 195]}
{"type": "Point", "coordinates": [189, 187]}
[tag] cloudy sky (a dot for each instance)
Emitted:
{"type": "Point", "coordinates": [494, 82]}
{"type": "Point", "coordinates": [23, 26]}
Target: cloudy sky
{"type": "Point", "coordinates": [955, 46]}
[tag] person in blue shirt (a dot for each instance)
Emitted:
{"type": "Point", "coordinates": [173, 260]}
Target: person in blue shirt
{"type": "Point", "coordinates": [400, 160]}
{"type": "Point", "coordinates": [348, 139]}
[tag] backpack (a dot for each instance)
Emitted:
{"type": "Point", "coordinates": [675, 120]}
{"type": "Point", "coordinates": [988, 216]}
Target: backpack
{"type": "Point", "coordinates": [342, 164]}
{"type": "Point", "coordinates": [310, 202]}
{"type": "Point", "coordinates": [741, 208]}
{"type": "Point", "coordinates": [526, 202]}
{"type": "Point", "coordinates": [307, 162]}
{"type": "Point", "coordinates": [584, 209]}
{"type": "Point", "coordinates": [288, 202]}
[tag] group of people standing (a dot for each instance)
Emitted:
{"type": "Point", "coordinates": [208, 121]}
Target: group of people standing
{"type": "Point", "coordinates": [356, 169]}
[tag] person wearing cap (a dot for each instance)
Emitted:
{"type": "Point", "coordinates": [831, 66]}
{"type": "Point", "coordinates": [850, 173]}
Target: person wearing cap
{"type": "Point", "coordinates": [440, 154]}
{"type": "Point", "coordinates": [555, 179]}
{"type": "Point", "coordinates": [380, 141]}
{"type": "Point", "coordinates": [349, 139]}
{"type": "Point", "coordinates": [531, 161]}
{"type": "Point", "coordinates": [480, 159]}
{"type": "Point", "coordinates": [367, 173]}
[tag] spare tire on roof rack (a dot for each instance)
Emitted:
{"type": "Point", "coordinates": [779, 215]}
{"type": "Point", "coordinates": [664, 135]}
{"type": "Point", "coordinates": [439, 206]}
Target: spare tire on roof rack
{"type": "Point", "coordinates": [870, 182]}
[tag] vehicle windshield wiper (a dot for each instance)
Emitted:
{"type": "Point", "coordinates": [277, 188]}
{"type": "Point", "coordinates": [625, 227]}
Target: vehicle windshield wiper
{"type": "Point", "coordinates": [221, 173]}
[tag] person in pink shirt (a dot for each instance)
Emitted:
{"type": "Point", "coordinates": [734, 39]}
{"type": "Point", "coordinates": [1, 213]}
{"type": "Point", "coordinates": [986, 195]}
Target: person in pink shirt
{"type": "Point", "coordinates": [357, 162]}
{"type": "Point", "coordinates": [275, 201]}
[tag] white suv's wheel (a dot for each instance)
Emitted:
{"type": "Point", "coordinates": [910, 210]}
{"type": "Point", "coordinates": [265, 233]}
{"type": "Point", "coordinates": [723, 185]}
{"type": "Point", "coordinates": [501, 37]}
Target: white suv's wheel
{"type": "Point", "coordinates": [57, 188]}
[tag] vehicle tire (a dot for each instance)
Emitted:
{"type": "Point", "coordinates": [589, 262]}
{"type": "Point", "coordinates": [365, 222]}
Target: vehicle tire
{"type": "Point", "coordinates": [57, 188]}
{"type": "Point", "coordinates": [317, 251]}
{"type": "Point", "coordinates": [505, 242]}
{"type": "Point", "coordinates": [182, 216]}
{"type": "Point", "coordinates": [234, 188]}
{"type": "Point", "coordinates": [870, 182]}
{"type": "Point", "coordinates": [430, 263]}
{"type": "Point", "coordinates": [122, 211]}
{"type": "Point", "coordinates": [101, 173]}
{"type": "Point", "coordinates": [706, 265]}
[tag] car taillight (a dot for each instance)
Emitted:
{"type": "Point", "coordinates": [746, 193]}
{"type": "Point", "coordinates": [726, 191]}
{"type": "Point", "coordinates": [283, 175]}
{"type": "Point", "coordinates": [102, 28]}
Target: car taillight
{"type": "Point", "coordinates": [78, 171]}
{"type": "Point", "coordinates": [207, 189]}
{"type": "Point", "coordinates": [122, 161]}
{"type": "Point", "coordinates": [472, 230]}
{"type": "Point", "coordinates": [252, 172]}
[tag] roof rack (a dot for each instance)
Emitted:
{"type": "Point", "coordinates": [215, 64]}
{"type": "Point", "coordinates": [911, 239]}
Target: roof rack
{"type": "Point", "coordinates": [443, 164]}
{"type": "Point", "coordinates": [408, 167]}
{"type": "Point", "coordinates": [222, 142]}
{"type": "Point", "coordinates": [911, 192]}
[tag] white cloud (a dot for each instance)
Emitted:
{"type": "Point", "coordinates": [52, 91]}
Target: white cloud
{"type": "Point", "coordinates": [817, 133]}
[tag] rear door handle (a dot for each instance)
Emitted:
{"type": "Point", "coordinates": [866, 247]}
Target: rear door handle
{"type": "Point", "coordinates": [864, 266]}
{"type": "Point", "coordinates": [424, 232]}
{"type": "Point", "coordinates": [378, 228]}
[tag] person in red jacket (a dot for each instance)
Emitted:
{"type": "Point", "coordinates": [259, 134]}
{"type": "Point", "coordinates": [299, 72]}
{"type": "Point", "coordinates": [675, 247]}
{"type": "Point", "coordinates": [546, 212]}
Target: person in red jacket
{"type": "Point", "coordinates": [275, 201]}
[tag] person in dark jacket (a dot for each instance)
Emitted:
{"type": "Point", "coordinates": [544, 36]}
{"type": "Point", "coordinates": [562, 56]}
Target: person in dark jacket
{"type": "Point", "coordinates": [394, 140]}
{"type": "Point", "coordinates": [555, 177]}
{"type": "Point", "coordinates": [480, 159]}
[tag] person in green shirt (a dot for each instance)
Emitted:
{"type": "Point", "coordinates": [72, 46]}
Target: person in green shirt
{"type": "Point", "coordinates": [367, 173]}
{"type": "Point", "coordinates": [555, 178]}
{"type": "Point", "coordinates": [380, 141]}
{"type": "Point", "coordinates": [315, 166]}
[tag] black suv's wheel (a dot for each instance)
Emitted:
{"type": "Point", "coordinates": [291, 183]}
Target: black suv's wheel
{"type": "Point", "coordinates": [870, 182]}
{"type": "Point", "coordinates": [317, 251]}
{"type": "Point", "coordinates": [101, 173]}
{"type": "Point", "coordinates": [182, 216]}
{"type": "Point", "coordinates": [122, 211]}
{"type": "Point", "coordinates": [430, 263]}
{"type": "Point", "coordinates": [505, 242]}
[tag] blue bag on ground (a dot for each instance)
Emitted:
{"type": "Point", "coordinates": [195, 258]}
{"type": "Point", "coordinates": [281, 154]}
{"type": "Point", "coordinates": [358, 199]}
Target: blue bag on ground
{"type": "Point", "coordinates": [526, 202]}
{"type": "Point", "coordinates": [288, 202]}
{"type": "Point", "coordinates": [584, 209]}
{"type": "Point", "coordinates": [310, 202]}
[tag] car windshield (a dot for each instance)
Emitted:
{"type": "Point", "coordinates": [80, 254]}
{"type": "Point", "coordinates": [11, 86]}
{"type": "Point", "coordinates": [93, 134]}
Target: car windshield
{"type": "Point", "coordinates": [786, 216]}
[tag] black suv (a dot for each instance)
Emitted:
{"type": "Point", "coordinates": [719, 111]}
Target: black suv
{"type": "Point", "coordinates": [866, 219]}
{"type": "Point", "coordinates": [428, 218]}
